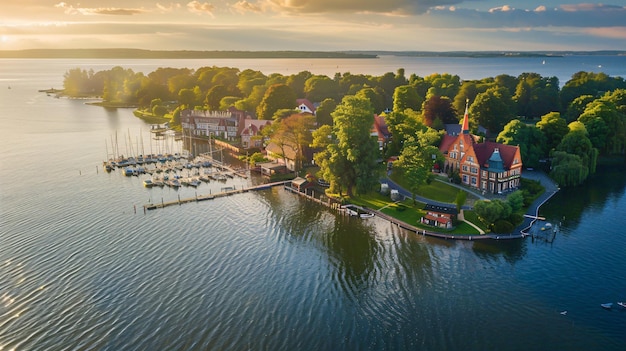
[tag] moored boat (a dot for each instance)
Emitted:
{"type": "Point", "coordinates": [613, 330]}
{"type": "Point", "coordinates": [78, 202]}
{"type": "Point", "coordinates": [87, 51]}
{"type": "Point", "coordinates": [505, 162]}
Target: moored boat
{"type": "Point", "coordinates": [607, 306]}
{"type": "Point", "coordinates": [623, 304]}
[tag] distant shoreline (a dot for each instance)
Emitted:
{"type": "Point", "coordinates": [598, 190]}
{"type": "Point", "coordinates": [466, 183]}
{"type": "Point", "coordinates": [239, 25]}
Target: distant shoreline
{"type": "Point", "coordinates": [179, 54]}
{"type": "Point", "coordinates": [364, 54]}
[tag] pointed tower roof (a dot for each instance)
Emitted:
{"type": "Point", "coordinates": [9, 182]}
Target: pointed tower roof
{"type": "Point", "coordinates": [465, 127]}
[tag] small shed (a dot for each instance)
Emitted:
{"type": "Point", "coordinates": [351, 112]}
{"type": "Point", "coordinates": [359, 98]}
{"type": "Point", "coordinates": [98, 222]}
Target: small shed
{"type": "Point", "coordinates": [439, 216]}
{"type": "Point", "coordinates": [299, 183]}
{"type": "Point", "coordinates": [271, 168]}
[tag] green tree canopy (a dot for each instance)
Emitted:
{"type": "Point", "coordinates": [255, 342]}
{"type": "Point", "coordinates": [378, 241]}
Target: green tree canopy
{"type": "Point", "coordinates": [375, 97]}
{"type": "Point", "coordinates": [492, 109]}
{"type": "Point", "coordinates": [278, 96]}
{"type": "Point", "coordinates": [405, 96]}
{"type": "Point", "coordinates": [553, 128]}
{"type": "Point", "coordinates": [350, 162]}
{"type": "Point", "coordinates": [491, 211]}
{"type": "Point", "coordinates": [568, 169]}
{"type": "Point", "coordinates": [318, 88]}
{"type": "Point", "coordinates": [529, 138]}
{"type": "Point", "coordinates": [324, 110]}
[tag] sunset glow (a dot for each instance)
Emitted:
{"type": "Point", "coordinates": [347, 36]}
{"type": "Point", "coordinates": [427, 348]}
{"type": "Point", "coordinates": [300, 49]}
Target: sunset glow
{"type": "Point", "coordinates": [421, 25]}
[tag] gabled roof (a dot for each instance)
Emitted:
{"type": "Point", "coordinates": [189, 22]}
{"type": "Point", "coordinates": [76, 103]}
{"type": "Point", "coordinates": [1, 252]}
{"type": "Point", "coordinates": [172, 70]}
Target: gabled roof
{"type": "Point", "coordinates": [484, 151]}
{"type": "Point", "coordinates": [380, 127]}
{"type": "Point", "coordinates": [306, 103]}
{"type": "Point", "coordinates": [446, 142]}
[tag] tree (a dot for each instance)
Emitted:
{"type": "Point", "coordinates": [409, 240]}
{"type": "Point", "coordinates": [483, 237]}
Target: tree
{"type": "Point", "coordinates": [438, 108]}
{"type": "Point", "coordinates": [589, 83]}
{"type": "Point", "coordinates": [375, 97]}
{"type": "Point", "coordinates": [214, 96]}
{"type": "Point", "coordinates": [606, 126]}
{"type": "Point", "coordinates": [323, 111]}
{"type": "Point", "coordinates": [529, 138]}
{"type": "Point", "coordinates": [278, 96]}
{"type": "Point", "coordinates": [350, 84]}
{"type": "Point", "coordinates": [460, 199]}
{"type": "Point", "coordinates": [468, 91]}
{"type": "Point", "coordinates": [536, 96]}
{"type": "Point", "coordinates": [491, 211]}
{"type": "Point", "coordinates": [577, 107]}
{"type": "Point", "coordinates": [506, 81]}
{"type": "Point", "coordinates": [443, 85]}
{"type": "Point", "coordinates": [318, 88]}
{"type": "Point", "coordinates": [492, 109]}
{"type": "Point", "coordinates": [282, 114]}
{"type": "Point", "coordinates": [515, 200]}
{"type": "Point", "coordinates": [228, 101]}
{"type": "Point", "coordinates": [553, 128]}
{"type": "Point", "coordinates": [577, 143]}
{"type": "Point", "coordinates": [568, 169]}
{"type": "Point", "coordinates": [416, 162]}
{"type": "Point", "coordinates": [296, 82]}
{"type": "Point", "coordinates": [293, 132]}
{"type": "Point", "coordinates": [248, 79]}
{"type": "Point", "coordinates": [402, 125]}
{"type": "Point", "coordinates": [350, 161]}
{"type": "Point", "coordinates": [180, 81]}
{"type": "Point", "coordinates": [186, 97]}
{"type": "Point", "coordinates": [405, 96]}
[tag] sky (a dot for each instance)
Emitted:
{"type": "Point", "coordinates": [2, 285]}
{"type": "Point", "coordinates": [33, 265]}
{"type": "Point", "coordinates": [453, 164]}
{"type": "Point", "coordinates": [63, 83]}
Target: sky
{"type": "Point", "coordinates": [315, 25]}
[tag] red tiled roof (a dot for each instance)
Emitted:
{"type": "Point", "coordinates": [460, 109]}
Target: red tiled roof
{"type": "Point", "coordinates": [442, 220]}
{"type": "Point", "coordinates": [485, 150]}
{"type": "Point", "coordinates": [446, 142]}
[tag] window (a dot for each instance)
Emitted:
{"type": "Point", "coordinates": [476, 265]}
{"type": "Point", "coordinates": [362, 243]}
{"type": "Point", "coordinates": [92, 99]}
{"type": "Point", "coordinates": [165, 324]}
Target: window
{"type": "Point", "coordinates": [474, 170]}
{"type": "Point", "coordinates": [465, 179]}
{"type": "Point", "coordinates": [474, 181]}
{"type": "Point", "coordinates": [470, 159]}
{"type": "Point", "coordinates": [464, 168]}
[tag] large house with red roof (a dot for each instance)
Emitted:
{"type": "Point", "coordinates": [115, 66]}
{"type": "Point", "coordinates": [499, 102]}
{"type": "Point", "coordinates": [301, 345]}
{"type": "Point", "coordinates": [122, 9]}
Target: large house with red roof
{"type": "Point", "coordinates": [487, 166]}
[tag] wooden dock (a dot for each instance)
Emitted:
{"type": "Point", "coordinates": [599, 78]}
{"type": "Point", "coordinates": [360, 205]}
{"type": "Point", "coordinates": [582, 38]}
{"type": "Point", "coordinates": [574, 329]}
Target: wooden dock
{"type": "Point", "coordinates": [226, 191]}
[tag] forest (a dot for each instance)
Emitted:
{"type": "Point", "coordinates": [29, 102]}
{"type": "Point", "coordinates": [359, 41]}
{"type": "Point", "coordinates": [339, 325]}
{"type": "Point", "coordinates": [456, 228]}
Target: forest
{"type": "Point", "coordinates": [566, 129]}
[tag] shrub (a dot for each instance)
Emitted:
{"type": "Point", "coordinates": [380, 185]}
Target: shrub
{"type": "Point", "coordinates": [516, 219]}
{"type": "Point", "coordinates": [502, 226]}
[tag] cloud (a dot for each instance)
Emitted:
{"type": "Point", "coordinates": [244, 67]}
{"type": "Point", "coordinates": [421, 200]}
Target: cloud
{"type": "Point", "coordinates": [200, 7]}
{"type": "Point", "coordinates": [590, 16]}
{"type": "Point", "coordinates": [246, 6]}
{"type": "Point", "coordinates": [116, 11]}
{"type": "Point", "coordinates": [590, 7]}
{"type": "Point", "coordinates": [361, 6]}
{"type": "Point", "coordinates": [167, 8]}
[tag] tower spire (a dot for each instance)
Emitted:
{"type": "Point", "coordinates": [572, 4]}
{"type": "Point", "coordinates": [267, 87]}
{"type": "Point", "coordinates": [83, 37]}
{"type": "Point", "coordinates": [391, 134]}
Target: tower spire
{"type": "Point", "coordinates": [465, 127]}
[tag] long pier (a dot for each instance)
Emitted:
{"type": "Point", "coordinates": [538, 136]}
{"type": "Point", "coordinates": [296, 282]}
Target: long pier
{"type": "Point", "coordinates": [226, 192]}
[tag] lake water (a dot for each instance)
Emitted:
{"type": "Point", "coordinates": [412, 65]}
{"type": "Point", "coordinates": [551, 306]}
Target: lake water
{"type": "Point", "coordinates": [83, 268]}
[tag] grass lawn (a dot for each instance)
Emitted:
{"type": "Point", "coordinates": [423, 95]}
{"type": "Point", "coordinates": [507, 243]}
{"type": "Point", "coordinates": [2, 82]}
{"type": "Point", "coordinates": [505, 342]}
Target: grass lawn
{"type": "Point", "coordinates": [438, 191]}
{"type": "Point", "coordinates": [473, 217]}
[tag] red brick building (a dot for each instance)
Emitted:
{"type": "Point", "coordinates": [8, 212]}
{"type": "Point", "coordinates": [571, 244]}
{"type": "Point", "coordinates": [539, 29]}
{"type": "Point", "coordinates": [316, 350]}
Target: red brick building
{"type": "Point", "coordinates": [488, 166]}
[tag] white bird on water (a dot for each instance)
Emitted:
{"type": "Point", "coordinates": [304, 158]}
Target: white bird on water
{"type": "Point", "coordinates": [564, 312]}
